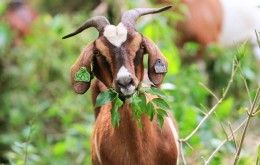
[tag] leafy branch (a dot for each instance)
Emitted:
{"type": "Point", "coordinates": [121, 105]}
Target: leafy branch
{"type": "Point", "coordinates": [223, 142]}
{"type": "Point", "coordinates": [253, 110]}
{"type": "Point", "coordinates": [235, 68]}
{"type": "Point", "coordinates": [213, 109]}
{"type": "Point", "coordinates": [140, 103]}
{"type": "Point", "coordinates": [107, 96]}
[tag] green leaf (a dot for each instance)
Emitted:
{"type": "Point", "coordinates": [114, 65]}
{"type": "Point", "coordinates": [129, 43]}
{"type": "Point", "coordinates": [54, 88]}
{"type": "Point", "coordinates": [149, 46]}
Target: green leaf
{"type": "Point", "coordinates": [161, 103]}
{"type": "Point", "coordinates": [161, 112]}
{"type": "Point", "coordinates": [106, 97]}
{"type": "Point", "coordinates": [155, 91]}
{"type": "Point", "coordinates": [142, 99]}
{"type": "Point", "coordinates": [191, 48]}
{"type": "Point", "coordinates": [150, 110]}
{"type": "Point", "coordinates": [82, 75]}
{"type": "Point", "coordinates": [160, 120]}
{"type": "Point", "coordinates": [224, 109]}
{"type": "Point", "coordinates": [136, 106]}
{"type": "Point", "coordinates": [115, 115]}
{"type": "Point", "coordinates": [258, 156]}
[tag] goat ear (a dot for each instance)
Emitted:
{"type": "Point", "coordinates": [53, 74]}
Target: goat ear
{"type": "Point", "coordinates": [157, 64]}
{"type": "Point", "coordinates": [84, 60]}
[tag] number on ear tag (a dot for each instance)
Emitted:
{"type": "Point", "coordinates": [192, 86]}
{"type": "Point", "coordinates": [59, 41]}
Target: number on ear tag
{"type": "Point", "coordinates": [160, 67]}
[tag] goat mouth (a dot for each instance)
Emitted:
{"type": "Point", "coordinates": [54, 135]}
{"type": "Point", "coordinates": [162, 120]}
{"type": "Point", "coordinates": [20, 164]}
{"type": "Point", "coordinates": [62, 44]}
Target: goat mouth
{"type": "Point", "coordinates": [127, 92]}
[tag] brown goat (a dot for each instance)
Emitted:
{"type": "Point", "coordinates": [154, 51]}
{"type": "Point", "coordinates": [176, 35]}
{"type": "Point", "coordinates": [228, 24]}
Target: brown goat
{"type": "Point", "coordinates": [20, 17]}
{"type": "Point", "coordinates": [116, 59]}
{"type": "Point", "coordinates": [224, 22]}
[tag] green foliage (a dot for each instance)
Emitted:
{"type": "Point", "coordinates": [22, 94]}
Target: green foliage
{"type": "Point", "coordinates": [191, 48]}
{"type": "Point", "coordinates": [225, 108]}
{"type": "Point", "coordinates": [139, 104]}
{"type": "Point", "coordinates": [108, 96]}
{"type": "Point", "coordinates": [35, 85]}
{"type": "Point", "coordinates": [163, 40]}
{"type": "Point", "coordinates": [82, 75]}
{"type": "Point", "coordinates": [156, 106]}
{"type": "Point", "coordinates": [43, 122]}
{"type": "Point", "coordinates": [115, 113]}
{"type": "Point", "coordinates": [258, 156]}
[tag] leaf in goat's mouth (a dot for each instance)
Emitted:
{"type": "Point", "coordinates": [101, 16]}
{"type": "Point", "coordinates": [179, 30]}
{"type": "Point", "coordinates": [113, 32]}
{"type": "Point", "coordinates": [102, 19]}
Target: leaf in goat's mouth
{"type": "Point", "coordinates": [105, 97]}
{"type": "Point", "coordinates": [82, 75]}
{"type": "Point", "coordinates": [108, 96]}
{"type": "Point", "coordinates": [157, 106]}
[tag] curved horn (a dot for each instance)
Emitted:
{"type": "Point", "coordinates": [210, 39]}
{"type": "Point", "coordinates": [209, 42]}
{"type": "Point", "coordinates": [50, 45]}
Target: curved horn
{"type": "Point", "coordinates": [129, 17]}
{"type": "Point", "coordinates": [99, 22]}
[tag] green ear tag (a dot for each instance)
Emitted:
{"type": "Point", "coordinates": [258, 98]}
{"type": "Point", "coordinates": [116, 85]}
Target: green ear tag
{"type": "Point", "coordinates": [82, 75]}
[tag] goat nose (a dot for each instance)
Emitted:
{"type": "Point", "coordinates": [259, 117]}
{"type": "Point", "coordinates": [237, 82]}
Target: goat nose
{"type": "Point", "coordinates": [125, 82]}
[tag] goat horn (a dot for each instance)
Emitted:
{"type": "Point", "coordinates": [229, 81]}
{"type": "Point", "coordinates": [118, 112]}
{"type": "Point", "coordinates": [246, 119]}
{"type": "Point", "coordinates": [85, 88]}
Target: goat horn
{"type": "Point", "coordinates": [129, 17]}
{"type": "Point", "coordinates": [99, 22]}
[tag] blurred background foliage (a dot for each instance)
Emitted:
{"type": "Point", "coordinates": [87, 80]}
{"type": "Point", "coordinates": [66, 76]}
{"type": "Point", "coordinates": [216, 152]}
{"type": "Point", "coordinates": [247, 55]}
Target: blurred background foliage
{"type": "Point", "coordinates": [43, 122]}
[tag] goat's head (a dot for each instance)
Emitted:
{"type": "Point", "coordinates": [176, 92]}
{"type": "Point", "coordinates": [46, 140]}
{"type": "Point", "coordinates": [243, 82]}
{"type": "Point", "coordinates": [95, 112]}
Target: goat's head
{"type": "Point", "coordinates": [116, 56]}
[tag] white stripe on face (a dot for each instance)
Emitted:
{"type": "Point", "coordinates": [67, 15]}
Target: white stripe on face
{"type": "Point", "coordinates": [122, 73]}
{"type": "Point", "coordinates": [116, 35]}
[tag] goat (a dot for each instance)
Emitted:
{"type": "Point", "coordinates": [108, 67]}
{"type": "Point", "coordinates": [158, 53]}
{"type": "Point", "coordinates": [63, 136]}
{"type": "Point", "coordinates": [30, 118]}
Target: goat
{"type": "Point", "coordinates": [224, 22]}
{"type": "Point", "coordinates": [20, 17]}
{"type": "Point", "coordinates": [116, 60]}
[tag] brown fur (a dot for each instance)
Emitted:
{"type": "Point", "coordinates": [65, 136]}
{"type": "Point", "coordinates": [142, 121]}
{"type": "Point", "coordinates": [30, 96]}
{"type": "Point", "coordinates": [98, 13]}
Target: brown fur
{"type": "Point", "coordinates": [154, 54]}
{"type": "Point", "coordinates": [97, 87]}
{"type": "Point", "coordinates": [202, 22]}
{"type": "Point", "coordinates": [128, 144]}
{"type": "Point", "coordinates": [84, 60]}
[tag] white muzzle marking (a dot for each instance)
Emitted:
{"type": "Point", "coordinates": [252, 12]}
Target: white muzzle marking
{"type": "Point", "coordinates": [128, 91]}
{"type": "Point", "coordinates": [116, 35]}
{"type": "Point", "coordinates": [123, 74]}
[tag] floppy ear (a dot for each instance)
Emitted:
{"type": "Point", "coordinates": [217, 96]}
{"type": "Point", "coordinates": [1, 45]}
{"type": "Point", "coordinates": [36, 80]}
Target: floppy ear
{"type": "Point", "coordinates": [84, 60]}
{"type": "Point", "coordinates": [157, 64]}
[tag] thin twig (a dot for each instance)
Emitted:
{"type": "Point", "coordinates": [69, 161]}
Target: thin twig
{"type": "Point", "coordinates": [256, 112]}
{"type": "Point", "coordinates": [205, 109]}
{"type": "Point", "coordinates": [257, 109]}
{"type": "Point", "coordinates": [258, 39]}
{"type": "Point", "coordinates": [246, 126]}
{"type": "Point", "coordinates": [234, 70]}
{"type": "Point", "coordinates": [182, 154]}
{"type": "Point", "coordinates": [222, 126]}
{"type": "Point", "coordinates": [28, 138]}
{"type": "Point", "coordinates": [189, 145]}
{"type": "Point", "coordinates": [233, 135]}
{"type": "Point", "coordinates": [200, 111]}
{"type": "Point", "coordinates": [207, 89]}
{"type": "Point", "coordinates": [245, 83]}
{"type": "Point", "coordinates": [258, 156]}
{"type": "Point", "coordinates": [222, 143]}
{"type": "Point", "coordinates": [204, 160]}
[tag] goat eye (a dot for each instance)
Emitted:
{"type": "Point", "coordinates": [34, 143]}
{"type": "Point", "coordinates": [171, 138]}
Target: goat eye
{"type": "Point", "coordinates": [96, 52]}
